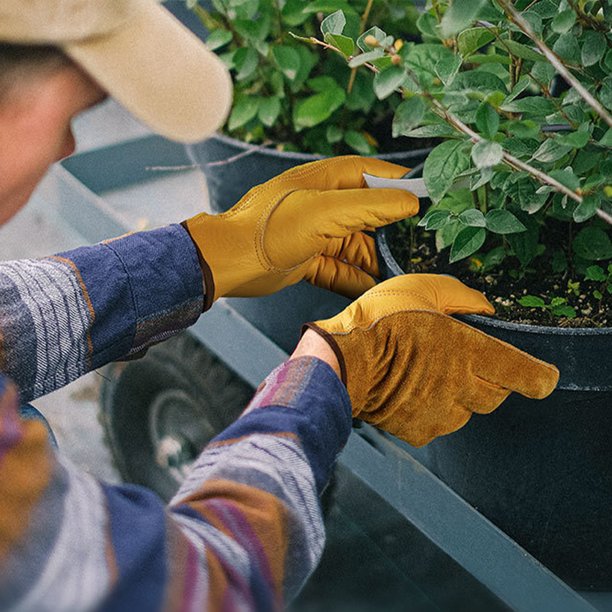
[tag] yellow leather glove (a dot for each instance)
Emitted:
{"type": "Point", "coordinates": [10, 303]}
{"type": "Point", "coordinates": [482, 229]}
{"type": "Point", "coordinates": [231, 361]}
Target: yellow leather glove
{"type": "Point", "coordinates": [416, 372]}
{"type": "Point", "coordinates": [307, 223]}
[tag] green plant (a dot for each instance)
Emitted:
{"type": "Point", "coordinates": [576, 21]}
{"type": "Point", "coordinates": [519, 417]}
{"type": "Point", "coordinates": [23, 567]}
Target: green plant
{"type": "Point", "coordinates": [520, 94]}
{"type": "Point", "coordinates": [558, 306]}
{"type": "Point", "coordinates": [292, 96]}
{"type": "Point", "coordinates": [602, 277]}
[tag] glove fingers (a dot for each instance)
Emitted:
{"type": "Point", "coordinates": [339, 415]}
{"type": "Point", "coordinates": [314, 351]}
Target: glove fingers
{"type": "Point", "coordinates": [338, 276]}
{"type": "Point", "coordinates": [486, 396]}
{"type": "Point", "coordinates": [444, 293]}
{"type": "Point", "coordinates": [338, 213]}
{"type": "Point", "coordinates": [358, 249]}
{"type": "Point", "coordinates": [502, 364]}
{"type": "Point", "coordinates": [344, 172]}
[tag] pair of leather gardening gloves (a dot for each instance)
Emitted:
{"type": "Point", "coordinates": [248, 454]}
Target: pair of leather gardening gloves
{"type": "Point", "coordinates": [409, 368]}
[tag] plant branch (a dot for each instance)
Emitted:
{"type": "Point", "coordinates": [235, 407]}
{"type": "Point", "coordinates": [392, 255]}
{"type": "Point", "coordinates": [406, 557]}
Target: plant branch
{"type": "Point", "coordinates": [552, 57]}
{"type": "Point", "coordinates": [507, 158]}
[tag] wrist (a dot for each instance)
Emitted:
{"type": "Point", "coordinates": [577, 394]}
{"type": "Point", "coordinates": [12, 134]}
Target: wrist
{"type": "Point", "coordinates": [313, 345]}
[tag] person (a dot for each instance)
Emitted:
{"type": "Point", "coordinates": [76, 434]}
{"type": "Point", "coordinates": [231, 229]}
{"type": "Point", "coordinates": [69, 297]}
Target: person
{"type": "Point", "coordinates": [245, 530]}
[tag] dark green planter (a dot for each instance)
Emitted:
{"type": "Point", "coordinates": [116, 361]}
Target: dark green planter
{"type": "Point", "coordinates": [542, 470]}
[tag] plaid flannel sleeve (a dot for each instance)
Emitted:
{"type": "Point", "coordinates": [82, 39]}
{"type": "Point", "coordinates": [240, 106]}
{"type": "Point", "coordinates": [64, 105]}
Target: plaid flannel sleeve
{"type": "Point", "coordinates": [65, 315]}
{"type": "Point", "coordinates": [243, 533]}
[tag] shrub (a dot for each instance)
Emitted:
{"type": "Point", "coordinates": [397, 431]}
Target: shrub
{"type": "Point", "coordinates": [520, 95]}
{"type": "Point", "coordinates": [299, 97]}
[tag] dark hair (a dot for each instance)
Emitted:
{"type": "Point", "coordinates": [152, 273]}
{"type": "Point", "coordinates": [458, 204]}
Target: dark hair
{"type": "Point", "coordinates": [18, 62]}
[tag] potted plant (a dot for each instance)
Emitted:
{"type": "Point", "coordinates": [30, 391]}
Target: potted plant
{"type": "Point", "coordinates": [520, 94]}
{"type": "Point", "coordinates": [293, 103]}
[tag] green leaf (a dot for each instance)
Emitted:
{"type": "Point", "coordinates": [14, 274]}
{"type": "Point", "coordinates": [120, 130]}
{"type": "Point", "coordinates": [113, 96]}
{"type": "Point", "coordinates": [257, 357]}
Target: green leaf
{"type": "Point", "coordinates": [316, 109]}
{"type": "Point", "coordinates": [543, 72]}
{"type": "Point", "coordinates": [593, 47]}
{"type": "Point", "coordinates": [293, 13]}
{"type": "Point", "coordinates": [586, 209]}
{"type": "Point", "coordinates": [566, 177]}
{"type": "Point", "coordinates": [321, 84]}
{"type": "Point", "coordinates": [592, 243]}
{"type": "Point", "coordinates": [328, 6]}
{"type": "Point", "coordinates": [563, 311]}
{"type": "Point", "coordinates": [532, 301]}
{"type": "Point", "coordinates": [525, 244]}
{"type": "Point", "coordinates": [387, 81]}
{"type": "Point", "coordinates": [567, 48]}
{"type": "Point", "coordinates": [253, 31]}
{"type": "Point", "coordinates": [447, 68]}
{"type": "Point", "coordinates": [520, 147]}
{"type": "Point", "coordinates": [523, 129]}
{"type": "Point", "coordinates": [595, 273]}
{"type": "Point", "coordinates": [606, 139]}
{"type": "Point", "coordinates": [288, 60]}
{"type": "Point", "coordinates": [472, 217]}
{"type": "Point", "coordinates": [535, 105]}
{"type": "Point", "coordinates": [344, 43]}
{"type": "Point", "coordinates": [434, 219]}
{"type": "Point", "coordinates": [334, 23]}
{"type": "Point", "coordinates": [427, 24]}
{"type": "Point", "coordinates": [218, 39]}
{"type": "Point", "coordinates": [244, 110]}
{"type": "Point", "coordinates": [443, 165]}
{"type": "Point", "coordinates": [576, 140]}
{"type": "Point", "coordinates": [563, 21]}
{"type": "Point", "coordinates": [269, 110]}
{"type": "Point", "coordinates": [364, 58]}
{"type": "Point", "coordinates": [472, 39]}
{"type": "Point", "coordinates": [245, 62]}
{"type": "Point", "coordinates": [479, 81]}
{"type": "Point", "coordinates": [487, 120]}
{"type": "Point", "coordinates": [521, 85]}
{"type": "Point", "coordinates": [467, 241]}
{"type": "Point", "coordinates": [334, 134]}
{"type": "Point", "coordinates": [501, 221]}
{"type": "Point", "coordinates": [486, 153]}
{"type": "Point", "coordinates": [408, 115]}
{"type": "Point", "coordinates": [520, 50]}
{"type": "Point", "coordinates": [494, 257]}
{"type": "Point", "coordinates": [488, 58]}
{"type": "Point", "coordinates": [551, 150]}
{"type": "Point", "coordinates": [459, 16]}
{"type": "Point", "coordinates": [439, 130]}
{"type": "Point", "coordinates": [358, 142]}
{"type": "Point", "coordinates": [546, 8]}
{"type": "Point", "coordinates": [605, 93]}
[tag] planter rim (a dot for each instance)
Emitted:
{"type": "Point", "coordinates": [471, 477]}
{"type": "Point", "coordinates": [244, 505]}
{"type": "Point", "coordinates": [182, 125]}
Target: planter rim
{"type": "Point", "coordinates": [250, 148]}
{"type": "Point", "coordinates": [394, 267]}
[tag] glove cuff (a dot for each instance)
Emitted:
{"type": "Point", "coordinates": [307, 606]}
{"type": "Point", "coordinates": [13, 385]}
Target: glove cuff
{"type": "Point", "coordinates": [209, 283]}
{"type": "Point", "coordinates": [329, 338]}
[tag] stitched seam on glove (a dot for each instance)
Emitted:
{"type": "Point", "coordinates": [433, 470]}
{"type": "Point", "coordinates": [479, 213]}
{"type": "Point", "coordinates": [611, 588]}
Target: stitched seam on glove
{"type": "Point", "coordinates": [260, 234]}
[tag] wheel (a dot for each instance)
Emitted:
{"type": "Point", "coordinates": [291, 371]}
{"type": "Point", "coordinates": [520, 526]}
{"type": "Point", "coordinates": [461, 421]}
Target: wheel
{"type": "Point", "coordinates": [158, 412]}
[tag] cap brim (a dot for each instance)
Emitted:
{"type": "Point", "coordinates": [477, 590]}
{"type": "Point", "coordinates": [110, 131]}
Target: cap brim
{"type": "Point", "coordinates": [162, 73]}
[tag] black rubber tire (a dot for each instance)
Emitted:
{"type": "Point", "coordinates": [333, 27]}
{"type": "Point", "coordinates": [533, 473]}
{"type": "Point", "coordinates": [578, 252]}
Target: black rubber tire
{"type": "Point", "coordinates": [195, 393]}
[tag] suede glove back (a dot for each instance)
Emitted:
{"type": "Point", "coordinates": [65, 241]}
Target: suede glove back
{"type": "Point", "coordinates": [414, 371]}
{"type": "Point", "coordinates": [307, 223]}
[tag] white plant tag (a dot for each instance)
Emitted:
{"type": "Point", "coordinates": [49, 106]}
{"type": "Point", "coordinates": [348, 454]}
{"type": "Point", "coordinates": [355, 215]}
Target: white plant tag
{"type": "Point", "coordinates": [413, 185]}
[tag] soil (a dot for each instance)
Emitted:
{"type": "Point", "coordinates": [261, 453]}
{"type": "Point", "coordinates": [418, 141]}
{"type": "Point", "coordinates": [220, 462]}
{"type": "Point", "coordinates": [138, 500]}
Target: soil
{"type": "Point", "coordinates": [502, 290]}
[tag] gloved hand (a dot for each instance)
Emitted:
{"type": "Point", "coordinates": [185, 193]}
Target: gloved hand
{"type": "Point", "coordinates": [307, 223]}
{"type": "Point", "coordinates": [412, 370]}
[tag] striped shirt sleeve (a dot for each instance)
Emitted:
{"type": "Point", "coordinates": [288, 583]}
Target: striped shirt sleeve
{"type": "Point", "coordinates": [243, 533]}
{"type": "Point", "coordinates": [63, 316]}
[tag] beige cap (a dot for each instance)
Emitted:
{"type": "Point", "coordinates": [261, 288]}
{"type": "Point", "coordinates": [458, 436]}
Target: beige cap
{"type": "Point", "coordinates": [136, 50]}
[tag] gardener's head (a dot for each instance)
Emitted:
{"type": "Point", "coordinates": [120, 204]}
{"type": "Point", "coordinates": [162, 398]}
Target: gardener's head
{"type": "Point", "coordinates": [60, 57]}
